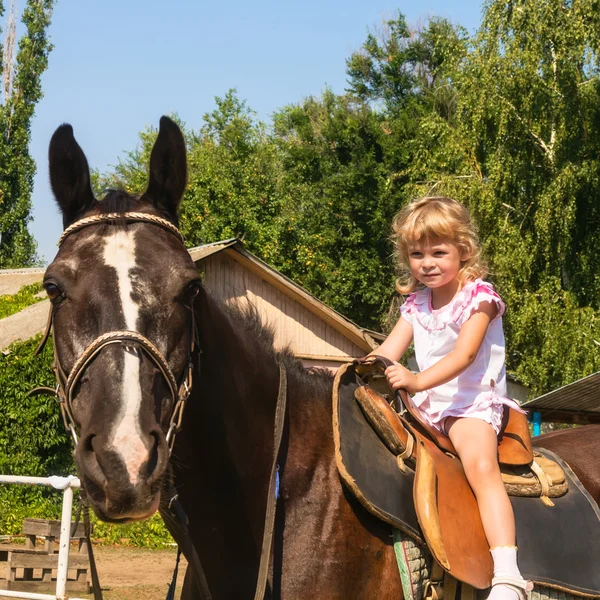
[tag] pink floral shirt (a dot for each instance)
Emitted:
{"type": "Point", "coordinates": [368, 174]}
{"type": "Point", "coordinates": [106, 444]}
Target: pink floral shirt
{"type": "Point", "coordinates": [480, 390]}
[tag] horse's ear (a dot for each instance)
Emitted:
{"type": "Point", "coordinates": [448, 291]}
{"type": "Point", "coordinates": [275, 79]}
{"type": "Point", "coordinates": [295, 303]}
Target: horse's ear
{"type": "Point", "coordinates": [168, 169]}
{"type": "Point", "coordinates": [69, 175]}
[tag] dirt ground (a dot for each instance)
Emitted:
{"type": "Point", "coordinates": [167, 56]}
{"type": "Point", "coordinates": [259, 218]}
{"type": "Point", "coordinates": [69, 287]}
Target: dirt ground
{"type": "Point", "coordinates": [133, 573]}
{"type": "Point", "coordinates": [136, 574]}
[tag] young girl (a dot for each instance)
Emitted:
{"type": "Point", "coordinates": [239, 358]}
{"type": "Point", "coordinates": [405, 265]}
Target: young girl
{"type": "Point", "coordinates": [455, 321]}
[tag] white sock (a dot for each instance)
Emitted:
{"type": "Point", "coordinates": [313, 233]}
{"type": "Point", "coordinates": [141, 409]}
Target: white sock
{"type": "Point", "coordinates": [505, 565]}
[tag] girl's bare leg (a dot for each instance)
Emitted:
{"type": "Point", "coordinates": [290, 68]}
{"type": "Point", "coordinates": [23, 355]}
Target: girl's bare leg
{"type": "Point", "coordinates": [477, 446]}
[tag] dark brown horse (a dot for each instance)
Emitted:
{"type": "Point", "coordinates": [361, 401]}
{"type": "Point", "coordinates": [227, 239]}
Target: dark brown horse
{"type": "Point", "coordinates": [123, 292]}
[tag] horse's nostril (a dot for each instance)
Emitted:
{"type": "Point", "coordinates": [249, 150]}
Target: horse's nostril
{"type": "Point", "coordinates": [89, 461]}
{"type": "Point", "coordinates": [153, 458]}
{"type": "Point", "coordinates": [88, 443]}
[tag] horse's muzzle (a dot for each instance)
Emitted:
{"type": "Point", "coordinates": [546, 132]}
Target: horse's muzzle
{"type": "Point", "coordinates": [117, 492]}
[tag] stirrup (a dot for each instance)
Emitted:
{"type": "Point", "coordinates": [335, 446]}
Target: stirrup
{"type": "Point", "coordinates": [520, 585]}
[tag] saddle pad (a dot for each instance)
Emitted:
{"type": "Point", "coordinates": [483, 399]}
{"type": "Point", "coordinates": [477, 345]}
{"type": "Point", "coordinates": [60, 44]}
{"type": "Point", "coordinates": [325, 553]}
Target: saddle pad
{"type": "Point", "coordinates": [559, 547]}
{"type": "Point", "coordinates": [365, 464]}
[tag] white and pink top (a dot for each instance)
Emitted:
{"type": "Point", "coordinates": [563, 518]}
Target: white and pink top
{"type": "Point", "coordinates": [480, 390]}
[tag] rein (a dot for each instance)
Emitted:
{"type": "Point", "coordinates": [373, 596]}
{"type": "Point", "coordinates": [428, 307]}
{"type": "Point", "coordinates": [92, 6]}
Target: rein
{"type": "Point", "coordinates": [173, 515]}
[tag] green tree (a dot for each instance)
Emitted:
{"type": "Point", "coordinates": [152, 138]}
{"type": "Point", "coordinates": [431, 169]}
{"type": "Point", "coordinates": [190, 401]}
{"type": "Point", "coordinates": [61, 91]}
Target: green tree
{"type": "Point", "coordinates": [232, 177]}
{"type": "Point", "coordinates": [21, 92]}
{"type": "Point", "coordinates": [508, 122]}
{"type": "Point", "coordinates": [404, 71]}
{"type": "Point", "coordinates": [336, 205]}
{"type": "Point", "coordinates": [234, 172]}
{"type": "Point", "coordinates": [521, 150]}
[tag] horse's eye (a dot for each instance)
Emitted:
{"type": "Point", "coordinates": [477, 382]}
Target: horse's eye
{"type": "Point", "coordinates": [53, 291]}
{"type": "Point", "coordinates": [191, 290]}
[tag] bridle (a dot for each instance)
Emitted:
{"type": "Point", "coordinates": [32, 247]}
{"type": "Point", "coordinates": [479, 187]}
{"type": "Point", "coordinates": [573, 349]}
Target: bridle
{"type": "Point", "coordinates": [173, 515]}
{"type": "Point", "coordinates": [67, 383]}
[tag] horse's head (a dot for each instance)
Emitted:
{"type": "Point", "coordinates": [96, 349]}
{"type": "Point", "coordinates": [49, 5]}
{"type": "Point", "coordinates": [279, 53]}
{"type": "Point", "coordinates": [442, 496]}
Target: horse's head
{"type": "Point", "coordinates": [122, 289]}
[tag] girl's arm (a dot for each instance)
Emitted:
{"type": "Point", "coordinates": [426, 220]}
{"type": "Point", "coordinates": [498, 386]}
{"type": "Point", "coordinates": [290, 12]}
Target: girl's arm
{"type": "Point", "coordinates": [396, 344]}
{"type": "Point", "coordinates": [453, 364]}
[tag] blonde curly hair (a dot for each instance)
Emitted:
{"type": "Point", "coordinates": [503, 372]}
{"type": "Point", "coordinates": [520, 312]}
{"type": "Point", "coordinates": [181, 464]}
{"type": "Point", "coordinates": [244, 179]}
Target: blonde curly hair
{"type": "Point", "coordinates": [436, 217]}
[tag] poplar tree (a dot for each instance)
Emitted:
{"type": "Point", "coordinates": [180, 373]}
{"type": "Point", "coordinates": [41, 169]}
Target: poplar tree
{"type": "Point", "coordinates": [21, 91]}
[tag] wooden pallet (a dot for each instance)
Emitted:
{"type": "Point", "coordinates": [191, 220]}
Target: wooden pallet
{"type": "Point", "coordinates": [32, 568]}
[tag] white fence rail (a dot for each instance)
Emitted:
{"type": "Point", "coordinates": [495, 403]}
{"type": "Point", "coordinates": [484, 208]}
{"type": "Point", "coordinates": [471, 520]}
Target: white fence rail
{"type": "Point", "coordinates": [67, 485]}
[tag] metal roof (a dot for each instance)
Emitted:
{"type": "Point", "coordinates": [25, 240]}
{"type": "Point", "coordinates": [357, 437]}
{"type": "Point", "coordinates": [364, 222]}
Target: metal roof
{"type": "Point", "coordinates": [200, 252]}
{"type": "Point", "coordinates": [23, 271]}
{"type": "Point", "coordinates": [12, 280]}
{"type": "Point", "coordinates": [579, 397]}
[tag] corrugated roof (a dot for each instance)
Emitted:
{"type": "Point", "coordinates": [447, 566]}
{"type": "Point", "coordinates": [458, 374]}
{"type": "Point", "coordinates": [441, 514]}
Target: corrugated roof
{"type": "Point", "coordinates": [23, 271]}
{"type": "Point", "coordinates": [376, 335]}
{"type": "Point", "coordinates": [200, 252]}
{"type": "Point", "coordinates": [12, 280]}
{"type": "Point", "coordinates": [580, 396]}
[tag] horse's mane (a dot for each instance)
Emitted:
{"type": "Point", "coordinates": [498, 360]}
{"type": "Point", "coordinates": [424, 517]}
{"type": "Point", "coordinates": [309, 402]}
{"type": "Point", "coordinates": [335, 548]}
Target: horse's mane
{"type": "Point", "coordinates": [119, 201]}
{"type": "Point", "coordinates": [315, 382]}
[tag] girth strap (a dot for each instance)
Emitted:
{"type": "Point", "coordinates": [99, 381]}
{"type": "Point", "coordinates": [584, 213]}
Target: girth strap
{"type": "Point", "coordinates": [265, 556]}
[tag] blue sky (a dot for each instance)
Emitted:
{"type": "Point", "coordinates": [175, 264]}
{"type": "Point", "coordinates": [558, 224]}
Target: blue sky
{"type": "Point", "coordinates": [117, 66]}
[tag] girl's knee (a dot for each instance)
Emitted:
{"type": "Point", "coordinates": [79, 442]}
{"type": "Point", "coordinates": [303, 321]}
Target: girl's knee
{"type": "Point", "coordinates": [482, 468]}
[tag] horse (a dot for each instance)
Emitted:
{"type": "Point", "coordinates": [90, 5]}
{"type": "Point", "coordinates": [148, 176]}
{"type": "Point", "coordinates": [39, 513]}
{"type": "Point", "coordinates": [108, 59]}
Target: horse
{"type": "Point", "coordinates": [154, 371]}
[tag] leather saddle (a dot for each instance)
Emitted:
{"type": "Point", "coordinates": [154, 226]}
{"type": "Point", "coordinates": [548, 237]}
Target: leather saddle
{"type": "Point", "coordinates": [514, 441]}
{"type": "Point", "coordinates": [525, 472]}
{"type": "Point", "coordinates": [408, 474]}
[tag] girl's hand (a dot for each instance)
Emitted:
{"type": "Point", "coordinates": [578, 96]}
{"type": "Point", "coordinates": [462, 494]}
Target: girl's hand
{"type": "Point", "coordinates": [400, 377]}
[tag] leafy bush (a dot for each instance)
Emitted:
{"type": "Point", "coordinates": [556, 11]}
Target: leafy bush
{"type": "Point", "coordinates": [32, 437]}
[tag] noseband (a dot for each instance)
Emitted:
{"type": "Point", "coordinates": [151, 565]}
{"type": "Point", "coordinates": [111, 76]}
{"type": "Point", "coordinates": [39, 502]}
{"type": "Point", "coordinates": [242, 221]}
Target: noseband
{"type": "Point", "coordinates": [130, 340]}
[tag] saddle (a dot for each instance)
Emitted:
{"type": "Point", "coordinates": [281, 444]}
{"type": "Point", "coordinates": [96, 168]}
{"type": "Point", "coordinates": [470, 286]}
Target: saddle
{"type": "Point", "coordinates": [409, 475]}
{"type": "Point", "coordinates": [524, 472]}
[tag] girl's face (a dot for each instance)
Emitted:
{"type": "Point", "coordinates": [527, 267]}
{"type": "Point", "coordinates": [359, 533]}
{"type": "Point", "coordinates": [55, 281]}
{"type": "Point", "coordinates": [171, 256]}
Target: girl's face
{"type": "Point", "coordinates": [435, 262]}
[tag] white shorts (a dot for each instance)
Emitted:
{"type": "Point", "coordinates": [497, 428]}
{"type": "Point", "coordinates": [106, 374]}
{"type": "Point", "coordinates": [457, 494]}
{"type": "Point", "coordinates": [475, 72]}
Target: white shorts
{"type": "Point", "coordinates": [490, 413]}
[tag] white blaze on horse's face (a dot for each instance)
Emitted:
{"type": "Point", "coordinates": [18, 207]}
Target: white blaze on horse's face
{"type": "Point", "coordinates": [125, 438]}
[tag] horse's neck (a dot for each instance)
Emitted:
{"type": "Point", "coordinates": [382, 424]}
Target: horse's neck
{"type": "Point", "coordinates": [223, 459]}
{"type": "Point", "coordinates": [238, 369]}
{"type": "Point", "coordinates": [233, 405]}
